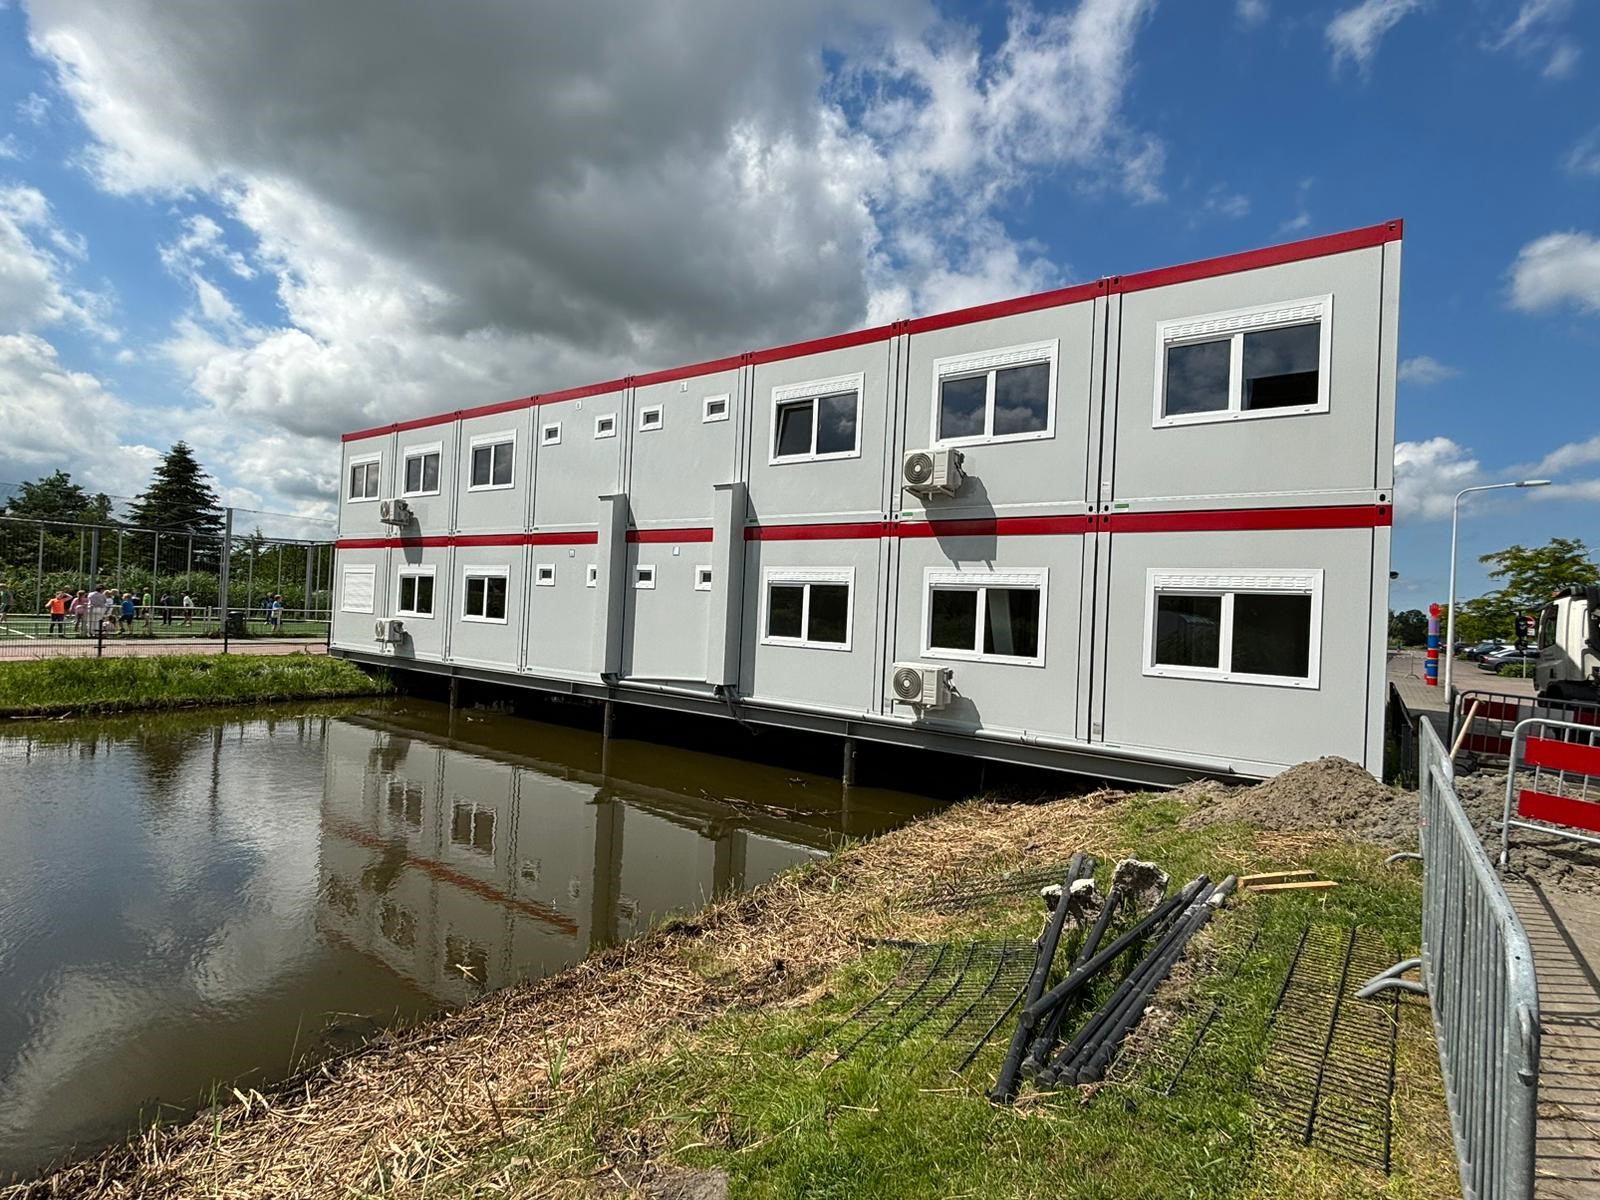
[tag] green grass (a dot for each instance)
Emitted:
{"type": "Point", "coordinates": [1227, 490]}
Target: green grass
{"type": "Point", "coordinates": [736, 1094]}
{"type": "Point", "coordinates": [99, 685]}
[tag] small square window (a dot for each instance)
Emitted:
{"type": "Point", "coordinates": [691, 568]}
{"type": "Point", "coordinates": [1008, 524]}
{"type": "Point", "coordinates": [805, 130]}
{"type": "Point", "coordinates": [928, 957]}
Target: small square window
{"type": "Point", "coordinates": [650, 418]}
{"type": "Point", "coordinates": [702, 579]}
{"type": "Point", "coordinates": [416, 594]}
{"type": "Point", "coordinates": [592, 576]}
{"type": "Point", "coordinates": [421, 472]}
{"type": "Point", "coordinates": [644, 577]}
{"type": "Point", "coordinates": [364, 480]}
{"type": "Point", "coordinates": [605, 425]}
{"type": "Point", "coordinates": [491, 464]}
{"type": "Point", "coordinates": [550, 435]}
{"type": "Point", "coordinates": [544, 574]}
{"type": "Point", "coordinates": [716, 409]}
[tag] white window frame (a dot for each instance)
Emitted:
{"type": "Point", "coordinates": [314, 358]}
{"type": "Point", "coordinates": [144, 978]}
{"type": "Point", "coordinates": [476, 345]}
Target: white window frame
{"type": "Point", "coordinates": [416, 572]}
{"type": "Point", "coordinates": [1036, 578]}
{"type": "Point", "coordinates": [349, 468]}
{"type": "Point", "coordinates": [422, 451]}
{"type": "Point", "coordinates": [549, 435]}
{"type": "Point", "coordinates": [602, 429]}
{"type": "Point", "coordinates": [1234, 324]}
{"type": "Point", "coordinates": [371, 572]}
{"type": "Point", "coordinates": [1200, 581]}
{"type": "Point", "coordinates": [477, 572]}
{"type": "Point", "coordinates": [658, 411]}
{"type": "Point", "coordinates": [813, 389]}
{"type": "Point", "coordinates": [990, 362]}
{"type": "Point", "coordinates": [703, 576]}
{"type": "Point", "coordinates": [478, 442]}
{"type": "Point", "coordinates": [591, 577]}
{"type": "Point", "coordinates": [797, 576]}
{"type": "Point", "coordinates": [644, 576]}
{"type": "Point", "coordinates": [707, 416]}
{"type": "Point", "coordinates": [540, 571]}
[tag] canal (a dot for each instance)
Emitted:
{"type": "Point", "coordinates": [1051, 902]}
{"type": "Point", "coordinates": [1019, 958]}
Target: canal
{"type": "Point", "coordinates": [219, 898]}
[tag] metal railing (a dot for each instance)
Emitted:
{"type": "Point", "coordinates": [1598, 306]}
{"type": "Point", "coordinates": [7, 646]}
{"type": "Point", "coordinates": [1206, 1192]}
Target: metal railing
{"type": "Point", "coordinates": [1477, 968]}
{"type": "Point", "coordinates": [1482, 720]}
{"type": "Point", "coordinates": [154, 629]}
{"type": "Point", "coordinates": [1561, 766]}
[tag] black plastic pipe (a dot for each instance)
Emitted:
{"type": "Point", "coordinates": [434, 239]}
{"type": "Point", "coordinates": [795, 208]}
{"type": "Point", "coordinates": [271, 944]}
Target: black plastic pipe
{"type": "Point", "coordinates": [1050, 1031]}
{"type": "Point", "coordinates": [1005, 1087]}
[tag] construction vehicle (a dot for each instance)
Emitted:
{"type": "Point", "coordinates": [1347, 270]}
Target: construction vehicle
{"type": "Point", "coordinates": [1569, 645]}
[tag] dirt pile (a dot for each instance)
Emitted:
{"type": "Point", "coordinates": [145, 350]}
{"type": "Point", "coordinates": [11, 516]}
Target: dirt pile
{"type": "Point", "coordinates": [1327, 793]}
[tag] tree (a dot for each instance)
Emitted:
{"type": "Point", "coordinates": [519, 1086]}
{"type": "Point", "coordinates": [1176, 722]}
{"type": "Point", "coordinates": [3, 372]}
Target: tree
{"type": "Point", "coordinates": [178, 498]}
{"type": "Point", "coordinates": [55, 497]}
{"type": "Point", "coordinates": [1409, 628]}
{"type": "Point", "coordinates": [1532, 575]}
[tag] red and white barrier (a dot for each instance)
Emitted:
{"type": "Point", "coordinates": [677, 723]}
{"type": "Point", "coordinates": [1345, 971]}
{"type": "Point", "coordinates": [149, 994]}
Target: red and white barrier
{"type": "Point", "coordinates": [1564, 799]}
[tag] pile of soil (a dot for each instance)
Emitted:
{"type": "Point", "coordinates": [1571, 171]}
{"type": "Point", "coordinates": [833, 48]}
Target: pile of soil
{"type": "Point", "coordinates": [1326, 793]}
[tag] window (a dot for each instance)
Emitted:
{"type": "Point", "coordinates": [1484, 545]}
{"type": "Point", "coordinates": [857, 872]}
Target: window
{"type": "Point", "coordinates": [405, 802]}
{"type": "Point", "coordinates": [544, 574]}
{"type": "Point", "coordinates": [359, 585]}
{"type": "Point", "coordinates": [483, 594]}
{"type": "Point", "coordinates": [420, 475]}
{"type": "Point", "coordinates": [1254, 362]}
{"type": "Point", "coordinates": [997, 396]}
{"type": "Point", "coordinates": [702, 579]}
{"type": "Point", "coordinates": [716, 409]}
{"type": "Point", "coordinates": [550, 435]}
{"type": "Point", "coordinates": [472, 827]}
{"type": "Point", "coordinates": [990, 616]}
{"type": "Point", "coordinates": [809, 608]}
{"type": "Point", "coordinates": [817, 420]}
{"type": "Point", "coordinates": [650, 418]}
{"type": "Point", "coordinates": [605, 425]}
{"type": "Point", "coordinates": [492, 455]}
{"type": "Point", "coordinates": [644, 577]}
{"type": "Point", "coordinates": [592, 576]}
{"type": "Point", "coordinates": [1257, 627]}
{"type": "Point", "coordinates": [364, 479]}
{"type": "Point", "coordinates": [416, 593]}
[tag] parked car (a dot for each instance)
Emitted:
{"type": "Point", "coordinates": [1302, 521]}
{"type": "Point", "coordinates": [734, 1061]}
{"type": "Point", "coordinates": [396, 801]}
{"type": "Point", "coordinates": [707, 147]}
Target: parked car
{"type": "Point", "coordinates": [1507, 655]}
{"type": "Point", "coordinates": [1475, 652]}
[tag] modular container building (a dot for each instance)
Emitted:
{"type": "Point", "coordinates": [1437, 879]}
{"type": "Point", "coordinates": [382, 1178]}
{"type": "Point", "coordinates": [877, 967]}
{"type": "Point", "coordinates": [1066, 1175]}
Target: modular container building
{"type": "Point", "coordinates": [1137, 528]}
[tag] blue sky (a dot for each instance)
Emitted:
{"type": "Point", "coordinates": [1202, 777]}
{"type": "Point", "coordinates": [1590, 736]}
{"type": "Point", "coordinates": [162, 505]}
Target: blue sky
{"type": "Point", "coordinates": [255, 226]}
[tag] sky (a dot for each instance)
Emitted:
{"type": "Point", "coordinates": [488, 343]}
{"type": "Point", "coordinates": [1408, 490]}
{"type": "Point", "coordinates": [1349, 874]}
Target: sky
{"type": "Point", "coordinates": [254, 226]}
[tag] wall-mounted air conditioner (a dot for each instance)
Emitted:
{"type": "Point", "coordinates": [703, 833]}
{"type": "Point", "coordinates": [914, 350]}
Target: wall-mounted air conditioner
{"type": "Point", "coordinates": [921, 686]}
{"type": "Point", "coordinates": [389, 631]}
{"type": "Point", "coordinates": [394, 512]}
{"type": "Point", "coordinates": [932, 472]}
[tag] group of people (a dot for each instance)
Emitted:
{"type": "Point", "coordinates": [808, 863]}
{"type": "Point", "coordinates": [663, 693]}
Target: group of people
{"type": "Point", "coordinates": [101, 611]}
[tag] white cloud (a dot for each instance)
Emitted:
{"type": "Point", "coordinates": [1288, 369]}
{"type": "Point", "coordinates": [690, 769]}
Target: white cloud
{"type": "Point", "coordinates": [1221, 202]}
{"type": "Point", "coordinates": [1251, 12]}
{"type": "Point", "coordinates": [593, 202]}
{"type": "Point", "coordinates": [1535, 33]}
{"type": "Point", "coordinates": [10, 147]}
{"type": "Point", "coordinates": [1555, 270]}
{"type": "Point", "coordinates": [35, 291]}
{"type": "Point", "coordinates": [1427, 476]}
{"type": "Point", "coordinates": [1563, 62]}
{"type": "Point", "coordinates": [1355, 33]}
{"type": "Point", "coordinates": [1565, 458]}
{"type": "Point", "coordinates": [1425, 370]}
{"type": "Point", "coordinates": [33, 108]}
{"type": "Point", "coordinates": [1584, 157]}
{"type": "Point", "coordinates": [1302, 201]}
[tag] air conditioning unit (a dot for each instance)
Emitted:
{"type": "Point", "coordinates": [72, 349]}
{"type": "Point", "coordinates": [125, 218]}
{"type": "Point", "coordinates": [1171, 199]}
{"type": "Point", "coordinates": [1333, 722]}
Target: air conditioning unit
{"type": "Point", "coordinates": [394, 512]}
{"type": "Point", "coordinates": [920, 686]}
{"type": "Point", "coordinates": [932, 472]}
{"type": "Point", "coordinates": [388, 631]}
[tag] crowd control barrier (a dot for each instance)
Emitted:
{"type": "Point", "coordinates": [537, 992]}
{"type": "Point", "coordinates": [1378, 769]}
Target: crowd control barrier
{"type": "Point", "coordinates": [1477, 970]}
{"type": "Point", "coordinates": [1483, 720]}
{"type": "Point", "coordinates": [1562, 795]}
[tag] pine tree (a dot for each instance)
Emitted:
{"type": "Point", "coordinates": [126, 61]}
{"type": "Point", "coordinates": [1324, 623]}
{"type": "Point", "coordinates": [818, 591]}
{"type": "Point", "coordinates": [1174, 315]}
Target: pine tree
{"type": "Point", "coordinates": [178, 498]}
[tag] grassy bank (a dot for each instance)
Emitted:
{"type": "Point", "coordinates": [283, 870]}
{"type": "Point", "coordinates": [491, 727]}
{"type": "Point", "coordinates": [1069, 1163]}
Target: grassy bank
{"type": "Point", "coordinates": [101, 685]}
{"type": "Point", "coordinates": [694, 1052]}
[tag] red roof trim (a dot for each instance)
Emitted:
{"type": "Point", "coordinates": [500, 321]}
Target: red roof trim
{"type": "Point", "coordinates": [1269, 256]}
{"type": "Point", "coordinates": [656, 536]}
{"type": "Point", "coordinates": [577, 537]}
{"type": "Point", "coordinates": [1076, 294]}
{"type": "Point", "coordinates": [1249, 260]}
{"type": "Point", "coordinates": [1234, 520]}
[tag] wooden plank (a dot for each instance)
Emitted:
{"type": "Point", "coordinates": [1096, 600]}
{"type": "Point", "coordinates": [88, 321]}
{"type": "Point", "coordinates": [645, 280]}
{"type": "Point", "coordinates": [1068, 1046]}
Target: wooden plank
{"type": "Point", "coordinates": [1299, 885]}
{"type": "Point", "coordinates": [1274, 877]}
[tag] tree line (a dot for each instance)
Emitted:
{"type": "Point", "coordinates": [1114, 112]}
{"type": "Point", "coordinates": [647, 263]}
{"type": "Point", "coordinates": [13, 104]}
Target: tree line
{"type": "Point", "coordinates": [1528, 575]}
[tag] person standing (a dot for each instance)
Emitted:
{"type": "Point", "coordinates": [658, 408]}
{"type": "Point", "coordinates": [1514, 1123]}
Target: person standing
{"type": "Point", "coordinates": [148, 611]}
{"type": "Point", "coordinates": [96, 606]}
{"type": "Point", "coordinates": [188, 609]}
{"type": "Point", "coordinates": [276, 609]}
{"type": "Point", "coordinates": [5, 602]}
{"type": "Point", "coordinates": [130, 609]}
{"type": "Point", "coordinates": [57, 605]}
{"type": "Point", "coordinates": [166, 608]}
{"type": "Point", "coordinates": [80, 613]}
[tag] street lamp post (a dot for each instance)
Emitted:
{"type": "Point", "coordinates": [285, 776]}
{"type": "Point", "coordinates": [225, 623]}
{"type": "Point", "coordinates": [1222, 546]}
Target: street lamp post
{"type": "Point", "coordinates": [1450, 620]}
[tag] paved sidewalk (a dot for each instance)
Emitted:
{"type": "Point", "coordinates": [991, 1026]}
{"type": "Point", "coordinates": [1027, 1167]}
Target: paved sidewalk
{"type": "Point", "coordinates": [1406, 673]}
{"type": "Point", "coordinates": [1564, 930]}
{"type": "Point", "coordinates": [34, 649]}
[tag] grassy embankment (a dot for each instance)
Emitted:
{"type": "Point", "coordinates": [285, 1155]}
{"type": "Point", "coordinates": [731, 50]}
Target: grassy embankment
{"type": "Point", "coordinates": [99, 685]}
{"type": "Point", "coordinates": [684, 1052]}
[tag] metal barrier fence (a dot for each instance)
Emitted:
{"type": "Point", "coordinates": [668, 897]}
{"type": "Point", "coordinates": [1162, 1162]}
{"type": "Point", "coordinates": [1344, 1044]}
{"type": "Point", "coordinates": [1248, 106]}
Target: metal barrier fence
{"type": "Point", "coordinates": [1565, 769]}
{"type": "Point", "coordinates": [158, 629]}
{"type": "Point", "coordinates": [1400, 741]}
{"type": "Point", "coordinates": [1477, 968]}
{"type": "Point", "coordinates": [1487, 719]}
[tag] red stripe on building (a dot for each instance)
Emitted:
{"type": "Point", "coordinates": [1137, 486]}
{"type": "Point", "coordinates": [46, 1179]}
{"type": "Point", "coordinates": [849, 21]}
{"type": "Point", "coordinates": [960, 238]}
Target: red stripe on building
{"type": "Point", "coordinates": [733, 362]}
{"type": "Point", "coordinates": [1233, 520]}
{"type": "Point", "coordinates": [656, 536]}
{"type": "Point", "coordinates": [1573, 757]}
{"type": "Point", "coordinates": [1269, 256]}
{"type": "Point", "coordinates": [482, 539]}
{"type": "Point", "coordinates": [364, 543]}
{"type": "Point", "coordinates": [1559, 810]}
{"type": "Point", "coordinates": [837, 532]}
{"type": "Point", "coordinates": [993, 527]}
{"type": "Point", "coordinates": [572, 537]}
{"type": "Point", "coordinates": [837, 341]}
{"type": "Point", "coordinates": [1076, 294]}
